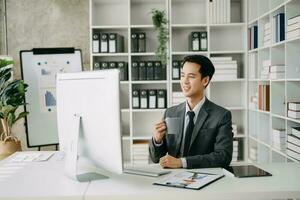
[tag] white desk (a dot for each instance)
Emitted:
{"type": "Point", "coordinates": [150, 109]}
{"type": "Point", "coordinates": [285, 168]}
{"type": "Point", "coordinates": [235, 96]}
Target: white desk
{"type": "Point", "coordinates": [40, 180]}
{"type": "Point", "coordinates": [45, 180]}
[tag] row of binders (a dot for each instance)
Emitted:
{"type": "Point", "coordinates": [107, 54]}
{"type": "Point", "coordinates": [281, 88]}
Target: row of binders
{"type": "Point", "coordinates": [107, 43]}
{"type": "Point", "coordinates": [293, 143]}
{"type": "Point", "coordinates": [148, 70]}
{"type": "Point", "coordinates": [293, 27]}
{"type": "Point", "coordinates": [198, 41]}
{"type": "Point", "coordinates": [144, 99]}
{"type": "Point", "coordinates": [122, 66]}
{"type": "Point", "coordinates": [219, 11]}
{"type": "Point", "coordinates": [138, 42]}
{"type": "Point", "coordinates": [294, 110]}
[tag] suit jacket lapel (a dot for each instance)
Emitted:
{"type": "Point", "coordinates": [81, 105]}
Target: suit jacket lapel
{"type": "Point", "coordinates": [181, 113]}
{"type": "Point", "coordinates": [202, 115]}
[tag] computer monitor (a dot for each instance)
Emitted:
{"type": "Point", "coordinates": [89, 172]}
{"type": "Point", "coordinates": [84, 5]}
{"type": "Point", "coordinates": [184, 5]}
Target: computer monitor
{"type": "Point", "coordinates": [88, 119]}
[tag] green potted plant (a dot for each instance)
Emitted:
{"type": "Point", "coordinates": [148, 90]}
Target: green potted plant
{"type": "Point", "coordinates": [12, 93]}
{"type": "Point", "coordinates": [160, 22]}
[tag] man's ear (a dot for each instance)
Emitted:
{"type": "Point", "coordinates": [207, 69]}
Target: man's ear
{"type": "Point", "coordinates": [205, 81]}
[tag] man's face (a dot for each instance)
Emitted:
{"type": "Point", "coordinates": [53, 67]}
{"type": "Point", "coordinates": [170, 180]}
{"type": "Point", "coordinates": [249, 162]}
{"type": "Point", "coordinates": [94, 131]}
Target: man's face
{"type": "Point", "coordinates": [192, 84]}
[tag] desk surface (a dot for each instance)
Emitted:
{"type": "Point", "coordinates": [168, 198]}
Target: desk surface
{"type": "Point", "coordinates": [46, 180]}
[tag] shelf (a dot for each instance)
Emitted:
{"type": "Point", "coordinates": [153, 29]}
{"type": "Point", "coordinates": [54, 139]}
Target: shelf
{"type": "Point", "coordinates": [125, 137]}
{"type": "Point", "coordinates": [149, 82]}
{"type": "Point", "coordinates": [278, 44]}
{"type": "Point", "coordinates": [259, 79]}
{"type": "Point", "coordinates": [188, 25]}
{"type": "Point", "coordinates": [232, 80]}
{"type": "Point", "coordinates": [292, 39]}
{"type": "Point", "coordinates": [125, 110]}
{"type": "Point", "coordinates": [142, 26]}
{"type": "Point", "coordinates": [259, 141]}
{"type": "Point", "coordinates": [293, 120]}
{"type": "Point", "coordinates": [235, 108]}
{"type": "Point", "coordinates": [278, 116]}
{"type": "Point", "coordinates": [143, 54]}
{"type": "Point", "coordinates": [110, 54]}
{"type": "Point", "coordinates": [227, 25]}
{"type": "Point", "coordinates": [147, 110]}
{"type": "Point", "coordinates": [278, 151]}
{"type": "Point", "coordinates": [110, 27]}
{"type": "Point", "coordinates": [239, 136]}
{"type": "Point", "coordinates": [228, 52]}
{"type": "Point", "coordinates": [141, 137]}
{"type": "Point", "coordinates": [293, 79]}
{"type": "Point", "coordinates": [260, 111]}
{"type": "Point", "coordinates": [188, 52]}
{"type": "Point", "coordinates": [253, 50]}
{"type": "Point", "coordinates": [124, 82]}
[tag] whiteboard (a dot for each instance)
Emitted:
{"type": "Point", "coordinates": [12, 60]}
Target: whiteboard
{"type": "Point", "coordinates": [39, 68]}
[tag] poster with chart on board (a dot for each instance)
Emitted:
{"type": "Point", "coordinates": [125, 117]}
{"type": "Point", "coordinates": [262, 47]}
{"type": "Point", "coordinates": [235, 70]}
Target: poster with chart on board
{"type": "Point", "coordinates": [39, 70]}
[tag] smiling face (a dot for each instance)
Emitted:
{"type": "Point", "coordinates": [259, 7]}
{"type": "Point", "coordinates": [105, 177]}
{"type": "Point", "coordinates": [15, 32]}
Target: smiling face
{"type": "Point", "coordinates": [191, 81]}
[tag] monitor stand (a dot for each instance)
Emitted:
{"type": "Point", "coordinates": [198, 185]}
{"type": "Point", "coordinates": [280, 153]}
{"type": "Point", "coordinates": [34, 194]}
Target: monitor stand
{"type": "Point", "coordinates": [71, 157]}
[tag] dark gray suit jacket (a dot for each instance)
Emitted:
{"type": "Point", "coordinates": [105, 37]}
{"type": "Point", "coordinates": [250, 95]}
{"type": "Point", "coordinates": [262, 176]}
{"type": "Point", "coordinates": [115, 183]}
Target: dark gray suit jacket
{"type": "Point", "coordinates": [212, 138]}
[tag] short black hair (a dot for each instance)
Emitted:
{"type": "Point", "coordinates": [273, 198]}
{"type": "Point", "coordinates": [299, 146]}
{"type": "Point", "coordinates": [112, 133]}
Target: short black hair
{"type": "Point", "coordinates": [206, 66]}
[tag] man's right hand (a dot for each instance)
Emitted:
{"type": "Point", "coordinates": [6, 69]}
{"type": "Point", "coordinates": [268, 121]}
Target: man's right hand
{"type": "Point", "coordinates": [159, 131]}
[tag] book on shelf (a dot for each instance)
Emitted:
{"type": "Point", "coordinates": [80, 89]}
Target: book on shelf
{"type": "Point", "coordinates": [140, 152]}
{"type": "Point", "coordinates": [150, 70]}
{"type": "Point", "coordinates": [135, 71]}
{"type": "Point", "coordinates": [96, 43]}
{"type": "Point", "coordinates": [142, 42]}
{"type": "Point", "coordinates": [279, 27]}
{"type": "Point", "coordinates": [296, 131]}
{"type": "Point", "coordinates": [253, 37]}
{"type": "Point", "coordinates": [161, 98]}
{"type": "Point", "coordinates": [279, 138]}
{"type": "Point", "coordinates": [143, 99]}
{"type": "Point", "coordinates": [142, 70]}
{"type": "Point", "coordinates": [134, 42]}
{"type": "Point", "coordinates": [253, 65]}
{"type": "Point", "coordinates": [267, 34]}
{"type": "Point", "coordinates": [293, 154]}
{"type": "Point", "coordinates": [293, 147]}
{"type": "Point", "coordinates": [198, 41]}
{"type": "Point", "coordinates": [152, 99]}
{"type": "Point", "coordinates": [176, 70]}
{"type": "Point", "coordinates": [135, 99]}
{"type": "Point", "coordinates": [276, 75]}
{"type": "Point", "coordinates": [264, 97]}
{"type": "Point", "coordinates": [293, 139]}
{"type": "Point", "coordinates": [295, 106]}
{"type": "Point", "coordinates": [292, 27]}
{"type": "Point", "coordinates": [115, 43]}
{"type": "Point", "coordinates": [104, 42]}
{"type": "Point", "coordinates": [293, 114]}
{"type": "Point", "coordinates": [293, 34]}
{"type": "Point", "coordinates": [293, 20]}
{"type": "Point", "coordinates": [219, 11]}
{"type": "Point", "coordinates": [225, 68]}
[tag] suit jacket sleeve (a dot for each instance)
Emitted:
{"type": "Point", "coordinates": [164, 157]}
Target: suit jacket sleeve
{"type": "Point", "coordinates": [156, 152]}
{"type": "Point", "coordinates": [222, 154]}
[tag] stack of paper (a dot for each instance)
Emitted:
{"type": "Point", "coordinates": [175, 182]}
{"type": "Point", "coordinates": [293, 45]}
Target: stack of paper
{"type": "Point", "coordinates": [225, 68]}
{"type": "Point", "coordinates": [140, 153]}
{"type": "Point", "coordinates": [293, 27]}
{"type": "Point", "coordinates": [279, 139]}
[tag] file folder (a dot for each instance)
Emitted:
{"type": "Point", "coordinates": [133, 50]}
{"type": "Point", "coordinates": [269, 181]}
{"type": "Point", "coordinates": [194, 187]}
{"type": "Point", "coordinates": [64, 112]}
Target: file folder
{"type": "Point", "coordinates": [176, 70]}
{"type": "Point", "coordinates": [157, 70]}
{"type": "Point", "coordinates": [150, 70]}
{"type": "Point", "coordinates": [112, 65]}
{"type": "Point", "coordinates": [203, 41]}
{"type": "Point", "coordinates": [142, 42]}
{"type": "Point", "coordinates": [142, 71]}
{"type": "Point", "coordinates": [134, 42]}
{"type": "Point", "coordinates": [161, 99]}
{"type": "Point", "coordinates": [163, 72]}
{"type": "Point", "coordinates": [134, 71]}
{"type": "Point", "coordinates": [123, 67]}
{"type": "Point", "coordinates": [152, 99]}
{"type": "Point", "coordinates": [135, 99]}
{"type": "Point", "coordinates": [144, 99]}
{"type": "Point", "coordinates": [194, 44]}
{"type": "Point", "coordinates": [115, 42]}
{"type": "Point", "coordinates": [96, 43]}
{"type": "Point", "coordinates": [104, 43]}
{"type": "Point", "coordinates": [104, 65]}
{"type": "Point", "coordinates": [96, 65]}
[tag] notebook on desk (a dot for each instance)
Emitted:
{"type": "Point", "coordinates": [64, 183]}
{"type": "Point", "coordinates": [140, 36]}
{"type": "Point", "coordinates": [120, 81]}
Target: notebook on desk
{"type": "Point", "coordinates": [145, 171]}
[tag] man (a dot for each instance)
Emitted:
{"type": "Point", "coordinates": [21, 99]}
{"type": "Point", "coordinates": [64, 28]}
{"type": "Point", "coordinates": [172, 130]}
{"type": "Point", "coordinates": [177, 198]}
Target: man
{"type": "Point", "coordinates": [205, 136]}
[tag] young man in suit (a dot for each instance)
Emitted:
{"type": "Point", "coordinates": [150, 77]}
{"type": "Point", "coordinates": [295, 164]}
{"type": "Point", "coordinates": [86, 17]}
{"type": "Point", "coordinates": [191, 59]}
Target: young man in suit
{"type": "Point", "coordinates": [204, 137]}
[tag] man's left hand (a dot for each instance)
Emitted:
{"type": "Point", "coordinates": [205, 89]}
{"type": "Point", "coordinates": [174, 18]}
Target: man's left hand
{"type": "Point", "coordinates": [170, 162]}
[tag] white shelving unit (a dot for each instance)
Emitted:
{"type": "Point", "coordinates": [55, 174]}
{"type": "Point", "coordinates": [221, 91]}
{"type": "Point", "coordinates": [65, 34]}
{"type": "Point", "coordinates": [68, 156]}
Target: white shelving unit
{"type": "Point", "coordinates": [283, 90]}
{"type": "Point", "coordinates": [125, 16]}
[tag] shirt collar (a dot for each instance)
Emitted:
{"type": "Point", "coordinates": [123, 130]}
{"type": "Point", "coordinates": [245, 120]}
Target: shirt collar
{"type": "Point", "coordinates": [196, 108]}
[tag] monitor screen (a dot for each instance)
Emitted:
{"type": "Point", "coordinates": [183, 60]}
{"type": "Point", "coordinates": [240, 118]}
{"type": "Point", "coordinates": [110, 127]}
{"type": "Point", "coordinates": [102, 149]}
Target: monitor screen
{"type": "Point", "coordinates": [94, 96]}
